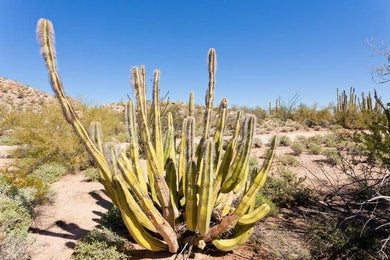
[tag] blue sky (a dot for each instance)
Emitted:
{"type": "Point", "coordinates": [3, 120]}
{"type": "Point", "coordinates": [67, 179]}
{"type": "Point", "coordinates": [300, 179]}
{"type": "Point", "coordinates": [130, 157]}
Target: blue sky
{"type": "Point", "coordinates": [265, 49]}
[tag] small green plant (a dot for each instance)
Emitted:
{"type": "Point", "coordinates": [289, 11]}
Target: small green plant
{"type": "Point", "coordinates": [288, 160]}
{"type": "Point", "coordinates": [297, 148]}
{"type": "Point", "coordinates": [285, 189]}
{"type": "Point", "coordinates": [102, 244]}
{"type": "Point", "coordinates": [333, 156]}
{"type": "Point", "coordinates": [15, 219]}
{"type": "Point", "coordinates": [314, 148]}
{"type": "Point", "coordinates": [49, 172]}
{"type": "Point", "coordinates": [92, 174]}
{"type": "Point", "coordinates": [285, 140]}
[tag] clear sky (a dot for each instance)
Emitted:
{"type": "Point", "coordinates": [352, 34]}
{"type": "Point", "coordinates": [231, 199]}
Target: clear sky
{"type": "Point", "coordinates": [265, 49]}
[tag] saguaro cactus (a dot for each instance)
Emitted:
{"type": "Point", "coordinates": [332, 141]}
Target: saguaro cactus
{"type": "Point", "coordinates": [175, 190]}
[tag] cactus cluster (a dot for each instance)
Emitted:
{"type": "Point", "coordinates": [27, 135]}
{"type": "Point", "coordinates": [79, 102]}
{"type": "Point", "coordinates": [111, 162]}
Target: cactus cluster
{"type": "Point", "coordinates": [350, 107]}
{"type": "Point", "coordinates": [184, 196]}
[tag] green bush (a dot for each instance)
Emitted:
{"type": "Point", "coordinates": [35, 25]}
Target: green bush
{"type": "Point", "coordinates": [314, 148]}
{"type": "Point", "coordinates": [340, 238]}
{"type": "Point", "coordinates": [92, 174]}
{"type": "Point", "coordinates": [297, 148]}
{"type": "Point", "coordinates": [333, 156]}
{"type": "Point", "coordinates": [49, 172]}
{"type": "Point", "coordinates": [48, 138]}
{"type": "Point", "coordinates": [288, 160]}
{"type": "Point", "coordinates": [285, 189]}
{"type": "Point", "coordinates": [15, 219]}
{"type": "Point", "coordinates": [102, 244]}
{"type": "Point", "coordinates": [285, 141]}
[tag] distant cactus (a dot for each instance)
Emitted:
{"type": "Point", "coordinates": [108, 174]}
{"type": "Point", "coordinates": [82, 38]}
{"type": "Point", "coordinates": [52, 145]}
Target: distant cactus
{"type": "Point", "coordinates": [175, 191]}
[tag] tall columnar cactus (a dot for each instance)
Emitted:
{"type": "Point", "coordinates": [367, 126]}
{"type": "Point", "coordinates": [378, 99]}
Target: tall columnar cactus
{"type": "Point", "coordinates": [190, 189]}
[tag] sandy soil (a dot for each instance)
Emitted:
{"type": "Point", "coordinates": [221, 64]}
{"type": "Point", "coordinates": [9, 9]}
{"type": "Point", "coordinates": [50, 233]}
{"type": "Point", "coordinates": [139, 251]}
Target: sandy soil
{"type": "Point", "coordinates": [77, 207]}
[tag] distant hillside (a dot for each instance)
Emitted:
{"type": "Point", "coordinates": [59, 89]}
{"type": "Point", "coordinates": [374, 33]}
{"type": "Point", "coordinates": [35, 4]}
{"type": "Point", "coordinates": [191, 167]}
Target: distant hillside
{"type": "Point", "coordinates": [16, 96]}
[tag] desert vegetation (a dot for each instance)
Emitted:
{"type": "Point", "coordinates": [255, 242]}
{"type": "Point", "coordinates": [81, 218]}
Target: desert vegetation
{"type": "Point", "coordinates": [186, 178]}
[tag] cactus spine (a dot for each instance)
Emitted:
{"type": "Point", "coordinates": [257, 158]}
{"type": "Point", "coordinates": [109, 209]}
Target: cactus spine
{"type": "Point", "coordinates": [197, 182]}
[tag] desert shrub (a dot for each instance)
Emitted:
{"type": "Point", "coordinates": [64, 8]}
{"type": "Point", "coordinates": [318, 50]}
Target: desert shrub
{"type": "Point", "coordinates": [297, 148]}
{"type": "Point", "coordinates": [330, 140]}
{"type": "Point", "coordinates": [285, 189]}
{"type": "Point", "coordinates": [49, 138]}
{"type": "Point", "coordinates": [288, 160]}
{"type": "Point", "coordinates": [333, 156]}
{"type": "Point", "coordinates": [7, 140]}
{"type": "Point", "coordinates": [333, 237]}
{"type": "Point", "coordinates": [301, 139]}
{"type": "Point", "coordinates": [49, 172]}
{"type": "Point", "coordinates": [101, 244]}
{"type": "Point", "coordinates": [92, 174]}
{"type": "Point", "coordinates": [15, 219]}
{"type": "Point", "coordinates": [285, 141]}
{"type": "Point", "coordinates": [314, 148]}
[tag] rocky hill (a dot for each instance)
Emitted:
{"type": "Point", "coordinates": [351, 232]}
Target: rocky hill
{"type": "Point", "coordinates": [19, 97]}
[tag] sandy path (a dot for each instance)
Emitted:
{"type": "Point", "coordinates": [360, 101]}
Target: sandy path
{"type": "Point", "coordinates": [77, 207]}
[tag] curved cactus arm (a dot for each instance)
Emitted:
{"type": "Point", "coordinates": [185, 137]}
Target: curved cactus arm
{"type": "Point", "coordinates": [258, 182]}
{"type": "Point", "coordinates": [240, 236]}
{"type": "Point", "coordinates": [146, 203]}
{"type": "Point", "coordinates": [255, 215]}
{"type": "Point", "coordinates": [205, 206]}
{"type": "Point", "coordinates": [45, 33]}
{"type": "Point", "coordinates": [212, 66]}
{"type": "Point", "coordinates": [135, 228]}
{"type": "Point", "coordinates": [218, 137]}
{"type": "Point", "coordinates": [131, 203]}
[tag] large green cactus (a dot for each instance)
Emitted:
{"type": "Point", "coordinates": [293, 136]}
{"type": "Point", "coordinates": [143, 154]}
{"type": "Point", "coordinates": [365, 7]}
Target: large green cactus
{"type": "Point", "coordinates": [174, 190]}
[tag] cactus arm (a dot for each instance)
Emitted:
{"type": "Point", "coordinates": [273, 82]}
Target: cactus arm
{"type": "Point", "coordinates": [212, 65]}
{"type": "Point", "coordinates": [158, 172]}
{"type": "Point", "coordinates": [172, 184]}
{"type": "Point", "coordinates": [134, 146]}
{"type": "Point", "coordinates": [45, 33]}
{"type": "Point", "coordinates": [241, 235]}
{"type": "Point", "coordinates": [258, 182]}
{"type": "Point", "coordinates": [218, 137]}
{"type": "Point", "coordinates": [158, 142]}
{"type": "Point", "coordinates": [124, 194]}
{"type": "Point", "coordinates": [191, 104]}
{"type": "Point", "coordinates": [169, 147]}
{"type": "Point", "coordinates": [146, 203]}
{"type": "Point", "coordinates": [255, 215]}
{"type": "Point", "coordinates": [237, 170]}
{"type": "Point", "coordinates": [206, 190]}
{"type": "Point", "coordinates": [191, 172]}
{"type": "Point", "coordinates": [182, 164]}
{"type": "Point", "coordinates": [133, 225]}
